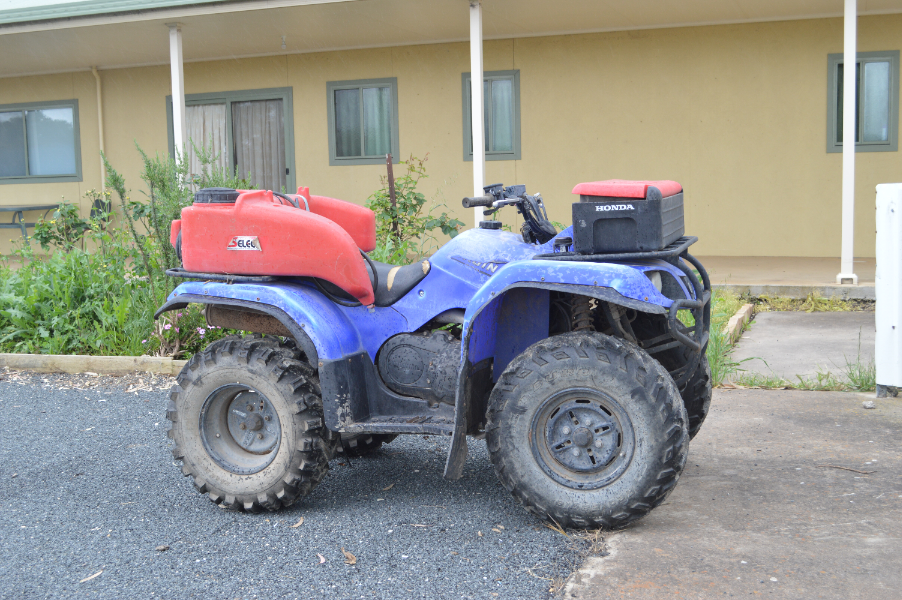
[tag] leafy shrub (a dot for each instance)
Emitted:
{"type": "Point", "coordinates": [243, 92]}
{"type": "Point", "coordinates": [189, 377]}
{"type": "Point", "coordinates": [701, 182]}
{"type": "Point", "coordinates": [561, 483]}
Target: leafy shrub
{"type": "Point", "coordinates": [74, 302]}
{"type": "Point", "coordinates": [402, 228]}
{"type": "Point", "coordinates": [98, 289]}
{"type": "Point", "coordinates": [65, 229]}
{"type": "Point", "coordinates": [170, 188]}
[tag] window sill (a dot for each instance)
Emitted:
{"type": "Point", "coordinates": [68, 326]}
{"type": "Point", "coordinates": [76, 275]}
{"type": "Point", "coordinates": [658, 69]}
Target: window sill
{"type": "Point", "coordinates": [837, 149]}
{"type": "Point", "coordinates": [378, 160]}
{"type": "Point", "coordinates": [40, 179]}
{"type": "Point", "coordinates": [491, 157]}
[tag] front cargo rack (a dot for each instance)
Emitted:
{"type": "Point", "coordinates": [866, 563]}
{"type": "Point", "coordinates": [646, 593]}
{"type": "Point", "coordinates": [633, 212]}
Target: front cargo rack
{"type": "Point", "coordinates": [673, 250]}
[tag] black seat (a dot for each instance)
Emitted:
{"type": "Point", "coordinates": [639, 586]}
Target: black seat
{"type": "Point", "coordinates": [391, 284]}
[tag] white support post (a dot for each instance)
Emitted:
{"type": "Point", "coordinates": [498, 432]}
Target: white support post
{"type": "Point", "coordinates": [477, 117]}
{"type": "Point", "coordinates": [178, 88]}
{"type": "Point", "coordinates": [100, 127]}
{"type": "Point", "coordinates": [849, 111]}
{"type": "Point", "coordinates": [888, 289]}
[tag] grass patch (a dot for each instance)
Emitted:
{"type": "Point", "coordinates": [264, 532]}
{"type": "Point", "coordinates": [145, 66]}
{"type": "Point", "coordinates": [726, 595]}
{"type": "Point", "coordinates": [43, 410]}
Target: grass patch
{"type": "Point", "coordinates": [810, 304]}
{"type": "Point", "coordinates": [856, 376]}
{"type": "Point", "coordinates": [724, 305]}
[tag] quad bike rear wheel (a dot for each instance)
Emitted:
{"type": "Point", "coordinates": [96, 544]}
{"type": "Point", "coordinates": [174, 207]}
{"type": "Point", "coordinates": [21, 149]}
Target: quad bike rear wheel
{"type": "Point", "coordinates": [361, 444]}
{"type": "Point", "coordinates": [587, 430]}
{"type": "Point", "coordinates": [247, 423]}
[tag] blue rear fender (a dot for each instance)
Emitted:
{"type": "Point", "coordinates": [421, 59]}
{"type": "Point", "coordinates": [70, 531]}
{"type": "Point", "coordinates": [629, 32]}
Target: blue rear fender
{"type": "Point", "coordinates": [334, 331]}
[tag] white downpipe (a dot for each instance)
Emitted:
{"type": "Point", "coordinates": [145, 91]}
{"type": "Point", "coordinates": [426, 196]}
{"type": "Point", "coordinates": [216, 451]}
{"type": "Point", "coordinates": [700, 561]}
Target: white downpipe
{"type": "Point", "coordinates": [888, 287]}
{"type": "Point", "coordinates": [476, 111]}
{"type": "Point", "coordinates": [178, 88]}
{"type": "Point", "coordinates": [100, 127]}
{"type": "Point", "coordinates": [849, 110]}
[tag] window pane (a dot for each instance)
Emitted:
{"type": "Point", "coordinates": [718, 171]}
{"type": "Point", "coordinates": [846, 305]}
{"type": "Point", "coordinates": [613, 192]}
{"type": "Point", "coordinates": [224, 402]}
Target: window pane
{"type": "Point", "coordinates": [486, 113]}
{"type": "Point", "coordinates": [51, 141]}
{"type": "Point", "coordinates": [839, 92]}
{"type": "Point", "coordinates": [486, 109]}
{"type": "Point", "coordinates": [347, 123]}
{"type": "Point", "coordinates": [258, 139]}
{"type": "Point", "coordinates": [875, 101]}
{"type": "Point", "coordinates": [377, 121]}
{"type": "Point", "coordinates": [12, 144]}
{"type": "Point", "coordinates": [502, 115]}
{"type": "Point", "coordinates": [206, 124]}
{"type": "Point", "coordinates": [840, 86]}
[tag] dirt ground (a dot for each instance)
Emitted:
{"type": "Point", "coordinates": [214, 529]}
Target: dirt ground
{"type": "Point", "coordinates": [790, 494]}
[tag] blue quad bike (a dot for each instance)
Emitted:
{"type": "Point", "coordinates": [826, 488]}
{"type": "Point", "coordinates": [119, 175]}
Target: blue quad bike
{"type": "Point", "coordinates": [579, 370]}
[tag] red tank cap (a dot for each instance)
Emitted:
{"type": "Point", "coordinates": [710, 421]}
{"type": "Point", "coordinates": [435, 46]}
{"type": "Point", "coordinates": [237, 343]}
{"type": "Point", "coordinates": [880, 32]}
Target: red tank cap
{"type": "Point", "coordinates": [622, 188]}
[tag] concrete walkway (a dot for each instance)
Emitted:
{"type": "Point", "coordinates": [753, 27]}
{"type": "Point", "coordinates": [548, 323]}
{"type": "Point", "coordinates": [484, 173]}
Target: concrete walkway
{"type": "Point", "coordinates": [756, 512]}
{"type": "Point", "coordinates": [800, 344]}
{"type": "Point", "coordinates": [788, 276]}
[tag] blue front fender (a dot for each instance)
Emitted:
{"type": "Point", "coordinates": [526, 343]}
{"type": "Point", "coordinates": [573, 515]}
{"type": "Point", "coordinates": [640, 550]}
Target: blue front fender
{"type": "Point", "coordinates": [621, 284]}
{"type": "Point", "coordinates": [629, 282]}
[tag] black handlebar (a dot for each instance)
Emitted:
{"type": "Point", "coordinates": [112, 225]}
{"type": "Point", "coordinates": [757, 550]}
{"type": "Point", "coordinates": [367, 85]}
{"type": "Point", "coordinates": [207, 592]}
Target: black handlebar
{"type": "Point", "coordinates": [478, 201]}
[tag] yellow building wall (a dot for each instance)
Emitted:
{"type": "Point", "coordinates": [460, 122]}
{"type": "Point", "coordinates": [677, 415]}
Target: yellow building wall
{"type": "Point", "coordinates": [736, 113]}
{"type": "Point", "coordinates": [79, 86]}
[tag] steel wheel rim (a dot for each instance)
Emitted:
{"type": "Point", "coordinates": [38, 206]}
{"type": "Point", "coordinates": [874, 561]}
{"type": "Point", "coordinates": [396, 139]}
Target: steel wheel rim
{"type": "Point", "coordinates": [240, 429]}
{"type": "Point", "coordinates": [582, 438]}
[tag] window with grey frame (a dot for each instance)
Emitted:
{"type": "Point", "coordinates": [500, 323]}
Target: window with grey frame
{"type": "Point", "coordinates": [246, 132]}
{"type": "Point", "coordinates": [877, 91]}
{"type": "Point", "coordinates": [39, 142]}
{"type": "Point", "coordinates": [501, 115]}
{"type": "Point", "coordinates": [363, 121]}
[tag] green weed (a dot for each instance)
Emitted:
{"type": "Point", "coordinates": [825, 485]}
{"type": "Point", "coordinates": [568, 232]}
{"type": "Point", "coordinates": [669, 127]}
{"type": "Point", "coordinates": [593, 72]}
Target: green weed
{"type": "Point", "coordinates": [856, 376]}
{"type": "Point", "coordinates": [97, 290]}
{"type": "Point", "coordinates": [73, 302]}
{"type": "Point", "coordinates": [810, 304]}
{"type": "Point", "coordinates": [403, 230]}
{"type": "Point", "coordinates": [724, 305]}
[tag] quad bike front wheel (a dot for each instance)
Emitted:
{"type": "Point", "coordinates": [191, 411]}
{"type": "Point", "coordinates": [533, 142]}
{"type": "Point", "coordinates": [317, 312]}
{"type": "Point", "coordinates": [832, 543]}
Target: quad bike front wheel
{"type": "Point", "coordinates": [697, 396]}
{"type": "Point", "coordinates": [696, 392]}
{"type": "Point", "coordinates": [247, 424]}
{"type": "Point", "coordinates": [587, 431]}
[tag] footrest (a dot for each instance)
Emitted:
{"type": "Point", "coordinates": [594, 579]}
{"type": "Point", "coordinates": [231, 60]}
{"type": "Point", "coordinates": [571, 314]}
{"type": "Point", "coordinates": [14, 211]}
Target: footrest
{"type": "Point", "coordinates": [432, 424]}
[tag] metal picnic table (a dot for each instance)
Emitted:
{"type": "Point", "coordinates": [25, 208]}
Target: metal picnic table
{"type": "Point", "coordinates": [18, 220]}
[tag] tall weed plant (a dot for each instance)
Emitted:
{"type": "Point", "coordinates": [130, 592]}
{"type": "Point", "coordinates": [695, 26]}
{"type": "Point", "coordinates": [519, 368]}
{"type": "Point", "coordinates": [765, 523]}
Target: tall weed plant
{"type": "Point", "coordinates": [104, 276]}
{"type": "Point", "coordinates": [74, 301]}
{"type": "Point", "coordinates": [96, 290]}
{"type": "Point", "coordinates": [405, 229]}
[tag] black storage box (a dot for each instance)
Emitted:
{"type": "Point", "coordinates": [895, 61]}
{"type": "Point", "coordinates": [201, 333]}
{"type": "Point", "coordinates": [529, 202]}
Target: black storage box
{"type": "Point", "coordinates": [627, 216]}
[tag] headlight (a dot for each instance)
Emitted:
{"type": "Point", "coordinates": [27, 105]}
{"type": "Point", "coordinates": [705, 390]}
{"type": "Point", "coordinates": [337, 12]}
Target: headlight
{"type": "Point", "coordinates": [655, 277]}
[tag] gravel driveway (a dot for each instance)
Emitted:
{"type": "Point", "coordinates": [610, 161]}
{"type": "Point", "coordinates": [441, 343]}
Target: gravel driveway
{"type": "Point", "coordinates": [89, 491]}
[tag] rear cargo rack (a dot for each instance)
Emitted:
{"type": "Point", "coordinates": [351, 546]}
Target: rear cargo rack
{"type": "Point", "coordinates": [673, 250]}
{"type": "Point", "coordinates": [180, 272]}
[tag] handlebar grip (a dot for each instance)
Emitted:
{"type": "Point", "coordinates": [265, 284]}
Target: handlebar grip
{"type": "Point", "coordinates": [478, 201]}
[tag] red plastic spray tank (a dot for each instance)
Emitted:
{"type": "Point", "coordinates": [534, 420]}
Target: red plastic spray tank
{"type": "Point", "coordinates": [257, 232]}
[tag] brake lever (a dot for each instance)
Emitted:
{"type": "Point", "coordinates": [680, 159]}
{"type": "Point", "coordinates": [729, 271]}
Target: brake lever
{"type": "Point", "coordinates": [505, 202]}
